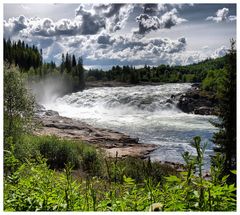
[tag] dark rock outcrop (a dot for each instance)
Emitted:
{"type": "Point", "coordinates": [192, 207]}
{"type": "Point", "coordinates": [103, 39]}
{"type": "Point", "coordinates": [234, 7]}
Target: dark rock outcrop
{"type": "Point", "coordinates": [198, 102]}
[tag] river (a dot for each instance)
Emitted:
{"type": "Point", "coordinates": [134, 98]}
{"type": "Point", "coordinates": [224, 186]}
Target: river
{"type": "Point", "coordinates": [144, 112]}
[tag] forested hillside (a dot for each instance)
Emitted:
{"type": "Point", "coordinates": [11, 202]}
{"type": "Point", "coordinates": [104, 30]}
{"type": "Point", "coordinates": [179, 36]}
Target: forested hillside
{"type": "Point", "coordinates": [162, 73]}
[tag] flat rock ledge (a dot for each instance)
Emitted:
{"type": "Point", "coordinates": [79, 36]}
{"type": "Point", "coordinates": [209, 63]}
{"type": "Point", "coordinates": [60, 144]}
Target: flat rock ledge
{"type": "Point", "coordinates": [111, 142]}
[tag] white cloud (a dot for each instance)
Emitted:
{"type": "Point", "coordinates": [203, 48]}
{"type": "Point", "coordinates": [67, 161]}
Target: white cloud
{"type": "Point", "coordinates": [220, 52]}
{"type": "Point", "coordinates": [131, 50]}
{"type": "Point", "coordinates": [167, 20]}
{"type": "Point", "coordinates": [14, 25]}
{"type": "Point", "coordinates": [109, 16]}
{"type": "Point", "coordinates": [171, 18]}
{"type": "Point", "coordinates": [92, 34]}
{"type": "Point", "coordinates": [221, 16]}
{"type": "Point", "coordinates": [88, 21]}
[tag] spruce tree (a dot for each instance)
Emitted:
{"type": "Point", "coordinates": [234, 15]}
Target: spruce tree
{"type": "Point", "coordinates": [80, 71]}
{"type": "Point", "coordinates": [225, 138]}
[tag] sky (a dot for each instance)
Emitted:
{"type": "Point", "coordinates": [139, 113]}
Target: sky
{"type": "Point", "coordinates": [124, 34]}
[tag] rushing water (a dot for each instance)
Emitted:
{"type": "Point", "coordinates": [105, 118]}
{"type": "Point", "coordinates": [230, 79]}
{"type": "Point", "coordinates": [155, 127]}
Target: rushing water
{"type": "Point", "coordinates": [141, 111]}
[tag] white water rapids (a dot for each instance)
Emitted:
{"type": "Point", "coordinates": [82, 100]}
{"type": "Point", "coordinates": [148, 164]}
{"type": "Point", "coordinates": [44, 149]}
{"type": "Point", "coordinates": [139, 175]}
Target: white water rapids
{"type": "Point", "coordinates": [142, 112]}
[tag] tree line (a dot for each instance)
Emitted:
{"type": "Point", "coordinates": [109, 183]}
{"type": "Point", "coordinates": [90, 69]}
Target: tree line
{"type": "Point", "coordinates": [21, 54]}
{"type": "Point", "coordinates": [30, 61]}
{"type": "Point", "coordinates": [162, 73]}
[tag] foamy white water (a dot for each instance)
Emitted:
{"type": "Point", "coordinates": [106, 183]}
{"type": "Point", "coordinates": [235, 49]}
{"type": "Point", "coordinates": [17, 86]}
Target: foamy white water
{"type": "Point", "coordinates": [143, 112]}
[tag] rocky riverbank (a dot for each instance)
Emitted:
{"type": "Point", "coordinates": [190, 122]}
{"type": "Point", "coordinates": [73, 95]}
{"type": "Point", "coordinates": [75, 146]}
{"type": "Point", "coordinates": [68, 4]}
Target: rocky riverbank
{"type": "Point", "coordinates": [198, 102]}
{"type": "Point", "coordinates": [111, 142]}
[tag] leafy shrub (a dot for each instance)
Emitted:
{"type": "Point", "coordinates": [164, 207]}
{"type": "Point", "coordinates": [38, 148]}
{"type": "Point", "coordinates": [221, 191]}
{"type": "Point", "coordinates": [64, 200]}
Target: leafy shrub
{"type": "Point", "coordinates": [214, 80]}
{"type": "Point", "coordinates": [18, 105]}
{"type": "Point", "coordinates": [35, 187]}
{"type": "Point", "coordinates": [59, 152]}
{"type": "Point", "coordinates": [32, 186]}
{"type": "Point", "coordinates": [137, 169]}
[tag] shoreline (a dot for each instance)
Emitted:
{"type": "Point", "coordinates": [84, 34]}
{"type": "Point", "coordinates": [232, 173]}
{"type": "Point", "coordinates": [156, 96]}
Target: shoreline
{"type": "Point", "coordinates": [111, 142]}
{"type": "Point", "coordinates": [93, 84]}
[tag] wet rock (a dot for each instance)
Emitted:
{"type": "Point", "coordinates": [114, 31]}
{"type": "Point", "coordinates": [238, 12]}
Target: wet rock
{"type": "Point", "coordinates": [204, 110]}
{"type": "Point", "coordinates": [169, 101]}
{"type": "Point", "coordinates": [51, 113]}
{"type": "Point", "coordinates": [106, 139]}
{"type": "Point", "coordinates": [197, 102]}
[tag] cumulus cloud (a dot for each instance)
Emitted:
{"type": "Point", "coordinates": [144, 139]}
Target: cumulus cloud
{"type": "Point", "coordinates": [220, 52]}
{"type": "Point", "coordinates": [91, 34]}
{"type": "Point", "coordinates": [130, 50]}
{"type": "Point", "coordinates": [111, 16]}
{"type": "Point", "coordinates": [93, 18]}
{"type": "Point", "coordinates": [40, 27]}
{"type": "Point", "coordinates": [171, 18]}
{"type": "Point", "coordinates": [167, 20]}
{"type": "Point", "coordinates": [14, 25]}
{"type": "Point", "coordinates": [91, 22]}
{"type": "Point", "coordinates": [158, 9]}
{"type": "Point", "coordinates": [221, 16]}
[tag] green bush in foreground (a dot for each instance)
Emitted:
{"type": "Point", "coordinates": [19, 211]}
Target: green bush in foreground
{"type": "Point", "coordinates": [59, 152]}
{"type": "Point", "coordinates": [18, 105]}
{"type": "Point", "coordinates": [35, 187]}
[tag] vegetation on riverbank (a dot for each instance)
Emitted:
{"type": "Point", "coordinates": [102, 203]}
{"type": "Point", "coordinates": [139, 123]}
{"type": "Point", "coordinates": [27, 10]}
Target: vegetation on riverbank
{"type": "Point", "coordinates": [29, 60]}
{"type": "Point", "coordinates": [51, 174]}
{"type": "Point", "coordinates": [127, 185]}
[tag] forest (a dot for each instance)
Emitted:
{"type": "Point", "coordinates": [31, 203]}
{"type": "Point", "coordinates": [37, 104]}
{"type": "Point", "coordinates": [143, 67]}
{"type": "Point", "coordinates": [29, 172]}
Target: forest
{"type": "Point", "coordinates": [48, 173]}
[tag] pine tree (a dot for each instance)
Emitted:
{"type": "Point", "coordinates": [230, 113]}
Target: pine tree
{"type": "Point", "coordinates": [225, 138]}
{"type": "Point", "coordinates": [74, 63]}
{"type": "Point", "coordinates": [80, 71]}
{"type": "Point", "coordinates": [62, 64]}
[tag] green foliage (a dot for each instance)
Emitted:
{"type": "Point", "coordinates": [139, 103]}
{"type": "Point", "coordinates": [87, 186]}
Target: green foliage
{"type": "Point", "coordinates": [75, 70]}
{"type": "Point", "coordinates": [51, 174]}
{"type": "Point", "coordinates": [35, 187]}
{"type": "Point", "coordinates": [225, 138]}
{"type": "Point", "coordinates": [18, 104]}
{"type": "Point", "coordinates": [59, 152]}
{"type": "Point", "coordinates": [21, 54]}
{"type": "Point", "coordinates": [137, 169]}
{"type": "Point", "coordinates": [214, 82]}
{"type": "Point", "coordinates": [163, 73]}
{"type": "Point", "coordinates": [11, 163]}
{"type": "Point", "coordinates": [193, 192]}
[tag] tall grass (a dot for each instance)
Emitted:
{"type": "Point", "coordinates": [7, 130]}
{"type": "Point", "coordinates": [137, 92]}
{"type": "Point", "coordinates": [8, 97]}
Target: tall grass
{"type": "Point", "coordinates": [59, 152]}
{"type": "Point", "coordinates": [33, 186]}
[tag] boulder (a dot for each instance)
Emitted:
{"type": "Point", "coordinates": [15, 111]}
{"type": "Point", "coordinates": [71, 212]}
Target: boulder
{"type": "Point", "coordinates": [204, 110]}
{"type": "Point", "coordinates": [194, 101]}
